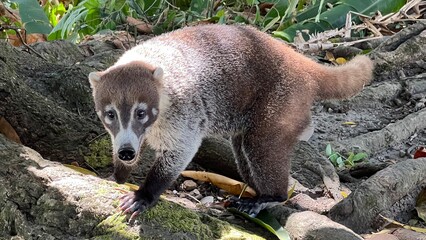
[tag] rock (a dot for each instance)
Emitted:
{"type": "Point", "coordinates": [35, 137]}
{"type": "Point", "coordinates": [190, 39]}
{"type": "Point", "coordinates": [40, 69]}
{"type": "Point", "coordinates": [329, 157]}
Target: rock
{"type": "Point", "coordinates": [195, 192]}
{"type": "Point", "coordinates": [311, 225]}
{"type": "Point", "coordinates": [380, 194]}
{"type": "Point", "coordinates": [189, 185]}
{"type": "Point", "coordinates": [207, 200]}
{"type": "Point", "coordinates": [383, 236]}
{"type": "Point", "coordinates": [44, 199]}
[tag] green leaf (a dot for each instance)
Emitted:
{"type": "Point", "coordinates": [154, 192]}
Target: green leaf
{"type": "Point", "coordinates": [270, 24]}
{"type": "Point", "coordinates": [267, 221]}
{"type": "Point", "coordinates": [340, 162]}
{"type": "Point", "coordinates": [291, 191]}
{"type": "Point", "coordinates": [151, 6]}
{"type": "Point", "coordinates": [351, 156]}
{"type": "Point", "coordinates": [252, 2]}
{"type": "Point", "coordinates": [278, 10]}
{"type": "Point", "coordinates": [311, 11]}
{"type": "Point", "coordinates": [334, 156]}
{"type": "Point", "coordinates": [359, 156]}
{"type": "Point", "coordinates": [199, 6]}
{"type": "Point", "coordinates": [240, 19]}
{"type": "Point", "coordinates": [290, 9]}
{"type": "Point", "coordinates": [328, 150]}
{"type": "Point", "coordinates": [33, 17]}
{"type": "Point", "coordinates": [336, 17]}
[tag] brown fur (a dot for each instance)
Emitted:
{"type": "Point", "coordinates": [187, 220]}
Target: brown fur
{"type": "Point", "coordinates": [226, 80]}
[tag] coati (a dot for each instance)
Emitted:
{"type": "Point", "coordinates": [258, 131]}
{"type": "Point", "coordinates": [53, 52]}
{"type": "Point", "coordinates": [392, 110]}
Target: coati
{"type": "Point", "coordinates": [177, 88]}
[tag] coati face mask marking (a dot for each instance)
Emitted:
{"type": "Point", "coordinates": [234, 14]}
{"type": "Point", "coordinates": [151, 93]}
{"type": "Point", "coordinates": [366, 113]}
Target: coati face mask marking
{"type": "Point", "coordinates": [127, 102]}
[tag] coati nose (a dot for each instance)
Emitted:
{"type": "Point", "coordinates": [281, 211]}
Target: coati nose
{"type": "Point", "coordinates": [126, 153]}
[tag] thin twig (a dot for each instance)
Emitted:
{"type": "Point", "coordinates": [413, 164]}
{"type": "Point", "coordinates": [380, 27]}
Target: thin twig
{"type": "Point", "coordinates": [100, 135]}
{"type": "Point", "coordinates": [18, 32]}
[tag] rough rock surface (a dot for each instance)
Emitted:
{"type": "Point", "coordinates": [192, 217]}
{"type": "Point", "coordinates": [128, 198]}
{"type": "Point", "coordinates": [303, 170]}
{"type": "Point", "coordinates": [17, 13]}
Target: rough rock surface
{"type": "Point", "coordinates": [41, 199]}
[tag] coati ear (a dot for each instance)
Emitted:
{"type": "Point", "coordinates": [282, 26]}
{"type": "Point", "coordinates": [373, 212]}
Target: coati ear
{"type": "Point", "coordinates": [94, 78]}
{"type": "Point", "coordinates": [158, 74]}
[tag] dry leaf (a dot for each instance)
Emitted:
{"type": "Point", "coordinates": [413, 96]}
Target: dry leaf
{"type": "Point", "coordinates": [349, 123]}
{"type": "Point", "coordinates": [140, 26]}
{"type": "Point", "coordinates": [398, 224]}
{"type": "Point", "coordinates": [228, 184]}
{"type": "Point", "coordinates": [8, 131]}
{"type": "Point", "coordinates": [340, 60]}
{"type": "Point", "coordinates": [132, 187]}
{"type": "Point", "coordinates": [329, 56]}
{"type": "Point", "coordinates": [80, 169]}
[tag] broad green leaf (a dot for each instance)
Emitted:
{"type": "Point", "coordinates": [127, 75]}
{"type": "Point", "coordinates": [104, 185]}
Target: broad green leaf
{"type": "Point", "coordinates": [152, 6]}
{"type": "Point", "coordinates": [359, 156]}
{"type": "Point", "coordinates": [328, 150]}
{"type": "Point", "coordinates": [93, 18]}
{"type": "Point", "coordinates": [33, 17]}
{"type": "Point", "coordinates": [311, 11]}
{"type": "Point", "coordinates": [267, 221]}
{"type": "Point", "coordinates": [336, 16]}
{"type": "Point", "coordinates": [136, 5]}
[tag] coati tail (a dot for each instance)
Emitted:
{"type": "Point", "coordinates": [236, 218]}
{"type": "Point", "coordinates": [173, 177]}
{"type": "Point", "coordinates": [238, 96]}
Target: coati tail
{"type": "Point", "coordinates": [346, 80]}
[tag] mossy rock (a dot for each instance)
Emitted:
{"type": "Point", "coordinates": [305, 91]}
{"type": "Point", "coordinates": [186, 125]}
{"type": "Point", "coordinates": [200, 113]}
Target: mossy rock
{"type": "Point", "coordinates": [100, 155]}
{"type": "Point", "coordinates": [169, 221]}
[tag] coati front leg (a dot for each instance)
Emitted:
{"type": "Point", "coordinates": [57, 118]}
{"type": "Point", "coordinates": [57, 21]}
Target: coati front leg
{"type": "Point", "coordinates": [122, 171]}
{"type": "Point", "coordinates": [264, 159]}
{"type": "Point", "coordinates": [167, 167]}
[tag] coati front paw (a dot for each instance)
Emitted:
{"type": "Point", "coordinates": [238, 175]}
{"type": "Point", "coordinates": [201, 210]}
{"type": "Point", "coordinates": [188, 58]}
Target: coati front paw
{"type": "Point", "coordinates": [252, 206]}
{"type": "Point", "coordinates": [134, 204]}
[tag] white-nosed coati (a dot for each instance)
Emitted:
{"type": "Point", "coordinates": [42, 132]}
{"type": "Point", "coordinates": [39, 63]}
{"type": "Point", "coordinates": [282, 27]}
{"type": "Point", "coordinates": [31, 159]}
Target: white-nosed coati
{"type": "Point", "coordinates": [175, 89]}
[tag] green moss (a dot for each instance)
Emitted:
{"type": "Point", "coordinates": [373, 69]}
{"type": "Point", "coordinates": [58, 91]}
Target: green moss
{"type": "Point", "coordinates": [100, 153]}
{"type": "Point", "coordinates": [115, 227]}
{"type": "Point", "coordinates": [166, 219]}
{"type": "Point", "coordinates": [174, 218]}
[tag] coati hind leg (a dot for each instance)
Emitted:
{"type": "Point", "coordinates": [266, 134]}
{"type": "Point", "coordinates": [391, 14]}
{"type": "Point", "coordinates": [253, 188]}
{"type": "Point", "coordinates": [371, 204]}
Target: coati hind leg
{"type": "Point", "coordinates": [240, 159]}
{"type": "Point", "coordinates": [267, 148]}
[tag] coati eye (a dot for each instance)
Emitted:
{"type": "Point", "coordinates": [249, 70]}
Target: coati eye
{"type": "Point", "coordinates": [141, 114]}
{"type": "Point", "coordinates": [110, 114]}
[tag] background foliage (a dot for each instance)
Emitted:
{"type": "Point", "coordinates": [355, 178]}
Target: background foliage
{"type": "Point", "coordinates": [74, 19]}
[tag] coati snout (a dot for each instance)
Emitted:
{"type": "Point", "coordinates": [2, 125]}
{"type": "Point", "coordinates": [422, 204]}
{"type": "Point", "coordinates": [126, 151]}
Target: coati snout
{"type": "Point", "coordinates": [127, 116]}
{"type": "Point", "coordinates": [126, 152]}
{"type": "Point", "coordinates": [218, 81]}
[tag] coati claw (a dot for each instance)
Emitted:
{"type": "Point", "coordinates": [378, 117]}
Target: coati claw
{"type": "Point", "coordinates": [130, 205]}
{"type": "Point", "coordinates": [252, 207]}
